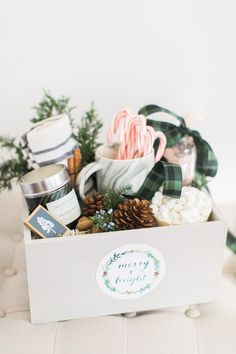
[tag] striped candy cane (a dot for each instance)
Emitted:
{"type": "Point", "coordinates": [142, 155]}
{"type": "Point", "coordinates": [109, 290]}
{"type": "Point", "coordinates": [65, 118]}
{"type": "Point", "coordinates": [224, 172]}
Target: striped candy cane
{"type": "Point", "coordinates": [134, 137]}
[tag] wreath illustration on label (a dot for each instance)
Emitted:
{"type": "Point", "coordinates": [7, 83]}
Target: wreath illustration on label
{"type": "Point", "coordinates": [130, 271]}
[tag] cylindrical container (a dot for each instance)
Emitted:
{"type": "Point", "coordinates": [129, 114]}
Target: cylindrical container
{"type": "Point", "coordinates": [184, 153]}
{"type": "Point", "coordinates": [50, 186]}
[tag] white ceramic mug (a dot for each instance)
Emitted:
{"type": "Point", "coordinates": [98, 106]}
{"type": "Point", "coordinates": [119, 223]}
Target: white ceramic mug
{"type": "Point", "coordinates": [114, 173]}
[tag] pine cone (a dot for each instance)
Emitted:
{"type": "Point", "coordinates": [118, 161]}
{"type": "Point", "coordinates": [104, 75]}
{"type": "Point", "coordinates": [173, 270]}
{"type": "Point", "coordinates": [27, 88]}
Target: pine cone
{"type": "Point", "coordinates": [134, 214]}
{"type": "Point", "coordinates": [93, 203]}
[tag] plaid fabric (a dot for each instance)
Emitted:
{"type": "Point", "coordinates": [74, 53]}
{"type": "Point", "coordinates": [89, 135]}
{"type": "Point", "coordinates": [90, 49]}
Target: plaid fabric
{"type": "Point", "coordinates": [165, 172]}
{"type": "Point", "coordinates": [231, 241]}
{"type": "Point", "coordinates": [206, 163]}
{"type": "Point", "coordinates": [152, 108]}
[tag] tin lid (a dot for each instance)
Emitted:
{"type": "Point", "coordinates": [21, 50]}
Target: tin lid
{"type": "Point", "coordinates": [44, 180]}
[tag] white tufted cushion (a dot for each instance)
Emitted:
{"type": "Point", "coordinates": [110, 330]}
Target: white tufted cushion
{"type": "Point", "coordinates": [206, 329]}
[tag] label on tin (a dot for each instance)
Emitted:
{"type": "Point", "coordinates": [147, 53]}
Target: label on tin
{"type": "Point", "coordinates": [67, 208]}
{"type": "Point", "coordinates": [130, 271]}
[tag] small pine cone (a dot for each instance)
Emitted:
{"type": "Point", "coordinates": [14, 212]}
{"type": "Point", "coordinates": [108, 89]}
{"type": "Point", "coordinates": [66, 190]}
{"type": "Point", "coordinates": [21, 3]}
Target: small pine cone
{"type": "Point", "coordinates": [134, 214]}
{"type": "Point", "coordinates": [93, 203]}
{"type": "Point", "coordinates": [84, 223]}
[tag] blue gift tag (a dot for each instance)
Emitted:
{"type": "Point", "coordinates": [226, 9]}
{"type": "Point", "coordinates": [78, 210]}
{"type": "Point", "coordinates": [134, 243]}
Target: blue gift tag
{"type": "Point", "coordinates": [45, 224]}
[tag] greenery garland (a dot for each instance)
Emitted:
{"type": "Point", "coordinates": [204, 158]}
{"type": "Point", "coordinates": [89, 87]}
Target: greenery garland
{"type": "Point", "coordinates": [87, 135]}
{"type": "Point", "coordinates": [13, 168]}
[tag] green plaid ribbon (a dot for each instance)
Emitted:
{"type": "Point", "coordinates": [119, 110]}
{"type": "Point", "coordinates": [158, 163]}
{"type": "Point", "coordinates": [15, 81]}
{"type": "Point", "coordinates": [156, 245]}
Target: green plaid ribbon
{"type": "Point", "coordinates": [165, 173]}
{"type": "Point", "coordinates": [206, 164]}
{"type": "Point", "coordinates": [231, 241]}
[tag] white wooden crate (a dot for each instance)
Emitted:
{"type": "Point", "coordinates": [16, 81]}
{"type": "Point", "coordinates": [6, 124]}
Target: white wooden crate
{"type": "Point", "coordinates": [62, 271]}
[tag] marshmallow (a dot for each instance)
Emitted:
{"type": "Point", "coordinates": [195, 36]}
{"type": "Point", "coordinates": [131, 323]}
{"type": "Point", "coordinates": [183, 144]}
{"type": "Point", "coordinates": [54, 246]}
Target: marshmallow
{"type": "Point", "coordinates": [192, 207]}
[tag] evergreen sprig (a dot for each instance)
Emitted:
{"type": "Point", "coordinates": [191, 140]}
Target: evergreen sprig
{"type": "Point", "coordinates": [87, 135]}
{"type": "Point", "coordinates": [103, 220]}
{"type": "Point", "coordinates": [13, 168]}
{"type": "Point", "coordinates": [112, 197]}
{"type": "Point", "coordinates": [50, 106]}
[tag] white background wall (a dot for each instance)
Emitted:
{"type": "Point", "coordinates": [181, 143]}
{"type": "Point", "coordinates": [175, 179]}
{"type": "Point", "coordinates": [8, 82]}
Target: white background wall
{"type": "Point", "coordinates": [124, 54]}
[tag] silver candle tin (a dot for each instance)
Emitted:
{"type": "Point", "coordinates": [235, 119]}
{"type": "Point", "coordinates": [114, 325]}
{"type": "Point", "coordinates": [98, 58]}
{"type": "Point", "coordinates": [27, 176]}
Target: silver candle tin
{"type": "Point", "coordinates": [50, 186]}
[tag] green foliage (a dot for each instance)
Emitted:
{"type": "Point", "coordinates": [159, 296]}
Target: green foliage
{"type": "Point", "coordinates": [16, 166]}
{"type": "Point", "coordinates": [112, 197]}
{"type": "Point", "coordinates": [104, 220]}
{"type": "Point", "coordinates": [50, 106]}
{"type": "Point", "coordinates": [13, 168]}
{"type": "Point", "coordinates": [87, 135]}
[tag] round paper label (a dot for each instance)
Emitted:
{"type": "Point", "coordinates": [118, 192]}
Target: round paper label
{"type": "Point", "coordinates": [130, 271]}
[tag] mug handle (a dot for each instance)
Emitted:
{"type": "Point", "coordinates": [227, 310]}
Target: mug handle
{"type": "Point", "coordinates": [84, 175]}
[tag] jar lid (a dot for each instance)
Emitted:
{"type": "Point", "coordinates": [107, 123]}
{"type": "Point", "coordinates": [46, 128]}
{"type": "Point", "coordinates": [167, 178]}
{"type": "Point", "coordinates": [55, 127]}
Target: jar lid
{"type": "Point", "coordinates": [44, 180]}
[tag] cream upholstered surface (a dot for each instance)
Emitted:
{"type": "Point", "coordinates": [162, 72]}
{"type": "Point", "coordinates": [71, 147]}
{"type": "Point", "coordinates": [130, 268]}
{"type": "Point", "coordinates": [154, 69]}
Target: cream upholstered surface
{"type": "Point", "coordinates": [208, 329]}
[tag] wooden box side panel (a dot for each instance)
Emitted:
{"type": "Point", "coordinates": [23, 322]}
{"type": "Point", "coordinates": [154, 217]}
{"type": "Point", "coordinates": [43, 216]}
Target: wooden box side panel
{"type": "Point", "coordinates": [62, 273]}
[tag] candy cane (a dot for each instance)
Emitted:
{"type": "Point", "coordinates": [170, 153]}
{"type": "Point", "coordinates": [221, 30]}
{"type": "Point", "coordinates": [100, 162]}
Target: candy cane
{"type": "Point", "coordinates": [137, 131]}
{"type": "Point", "coordinates": [142, 121]}
{"type": "Point", "coordinates": [152, 134]}
{"type": "Point", "coordinates": [119, 126]}
{"type": "Point", "coordinates": [162, 145]}
{"type": "Point", "coordinates": [131, 141]}
{"type": "Point", "coordinates": [147, 146]}
{"type": "Point", "coordinates": [135, 139]}
{"type": "Point", "coordinates": [116, 124]}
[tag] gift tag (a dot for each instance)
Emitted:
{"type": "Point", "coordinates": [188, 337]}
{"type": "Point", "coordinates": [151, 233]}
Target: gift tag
{"type": "Point", "coordinates": [45, 224]}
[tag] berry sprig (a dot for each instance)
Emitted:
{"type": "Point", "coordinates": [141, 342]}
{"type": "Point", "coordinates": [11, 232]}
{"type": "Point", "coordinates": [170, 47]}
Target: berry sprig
{"type": "Point", "coordinates": [104, 220]}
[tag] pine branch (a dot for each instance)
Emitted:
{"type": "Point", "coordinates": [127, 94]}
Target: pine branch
{"type": "Point", "coordinates": [50, 106]}
{"type": "Point", "coordinates": [13, 168]}
{"type": "Point", "coordinates": [103, 220]}
{"type": "Point", "coordinates": [87, 135]}
{"type": "Point", "coordinates": [112, 197]}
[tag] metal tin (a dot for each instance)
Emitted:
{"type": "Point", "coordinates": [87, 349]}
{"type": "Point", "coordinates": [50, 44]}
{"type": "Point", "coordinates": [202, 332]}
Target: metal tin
{"type": "Point", "coordinates": [44, 180]}
{"type": "Point", "coordinates": [50, 186]}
